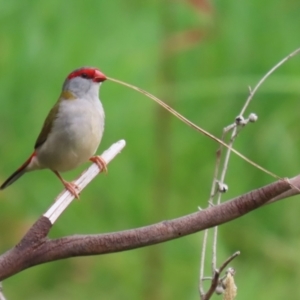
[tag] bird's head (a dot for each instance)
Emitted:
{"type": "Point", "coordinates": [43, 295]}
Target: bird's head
{"type": "Point", "coordinates": [84, 81]}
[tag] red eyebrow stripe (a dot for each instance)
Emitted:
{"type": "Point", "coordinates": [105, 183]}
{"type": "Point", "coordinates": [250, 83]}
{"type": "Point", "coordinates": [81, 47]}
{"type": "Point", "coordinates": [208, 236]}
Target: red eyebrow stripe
{"type": "Point", "coordinates": [88, 71]}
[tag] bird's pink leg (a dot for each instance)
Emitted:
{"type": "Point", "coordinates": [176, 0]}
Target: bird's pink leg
{"type": "Point", "coordinates": [70, 186]}
{"type": "Point", "coordinates": [100, 163]}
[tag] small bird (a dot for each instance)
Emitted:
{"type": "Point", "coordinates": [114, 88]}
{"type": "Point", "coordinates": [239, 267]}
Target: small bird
{"type": "Point", "coordinates": [72, 130]}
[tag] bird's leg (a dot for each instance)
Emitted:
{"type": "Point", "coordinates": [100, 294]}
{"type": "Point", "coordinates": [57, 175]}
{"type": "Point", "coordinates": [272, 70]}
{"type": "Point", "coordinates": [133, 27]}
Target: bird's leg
{"type": "Point", "coordinates": [70, 186]}
{"type": "Point", "coordinates": [100, 163]}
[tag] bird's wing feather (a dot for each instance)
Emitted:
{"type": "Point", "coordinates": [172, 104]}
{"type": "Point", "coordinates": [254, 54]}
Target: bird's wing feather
{"type": "Point", "coordinates": [47, 126]}
{"type": "Point", "coordinates": [65, 95]}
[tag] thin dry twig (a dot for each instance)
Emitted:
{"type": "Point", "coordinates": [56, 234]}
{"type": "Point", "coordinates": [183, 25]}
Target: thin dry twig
{"type": "Point", "coordinates": [194, 126]}
{"type": "Point", "coordinates": [228, 260]}
{"type": "Point", "coordinates": [252, 92]}
{"type": "Point", "coordinates": [249, 99]}
{"type": "Point", "coordinates": [2, 297]}
{"type": "Point", "coordinates": [234, 127]}
{"type": "Point", "coordinates": [216, 276]}
{"type": "Point", "coordinates": [202, 262]}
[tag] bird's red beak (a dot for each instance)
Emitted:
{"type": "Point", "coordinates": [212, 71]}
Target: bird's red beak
{"type": "Point", "coordinates": [99, 77]}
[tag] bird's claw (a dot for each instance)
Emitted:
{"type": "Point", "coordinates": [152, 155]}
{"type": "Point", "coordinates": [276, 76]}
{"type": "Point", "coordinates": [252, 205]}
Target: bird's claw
{"type": "Point", "coordinates": [72, 188]}
{"type": "Point", "coordinates": [99, 161]}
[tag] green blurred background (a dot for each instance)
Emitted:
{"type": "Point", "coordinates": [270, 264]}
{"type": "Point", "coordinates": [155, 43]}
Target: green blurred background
{"type": "Point", "coordinates": [199, 56]}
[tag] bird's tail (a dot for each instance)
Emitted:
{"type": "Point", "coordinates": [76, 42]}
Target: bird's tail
{"type": "Point", "coordinates": [17, 174]}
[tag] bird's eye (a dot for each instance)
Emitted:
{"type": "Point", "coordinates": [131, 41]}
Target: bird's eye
{"type": "Point", "coordinates": [84, 75]}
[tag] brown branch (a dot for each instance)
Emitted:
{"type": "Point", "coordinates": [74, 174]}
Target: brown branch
{"type": "Point", "coordinates": [294, 190]}
{"type": "Point", "coordinates": [36, 248]}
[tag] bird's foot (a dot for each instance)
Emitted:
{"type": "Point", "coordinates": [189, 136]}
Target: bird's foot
{"type": "Point", "coordinates": [99, 161]}
{"type": "Point", "coordinates": [72, 188]}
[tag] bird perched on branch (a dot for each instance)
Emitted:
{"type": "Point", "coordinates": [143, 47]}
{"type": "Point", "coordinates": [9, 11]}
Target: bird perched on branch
{"type": "Point", "coordinates": [72, 130]}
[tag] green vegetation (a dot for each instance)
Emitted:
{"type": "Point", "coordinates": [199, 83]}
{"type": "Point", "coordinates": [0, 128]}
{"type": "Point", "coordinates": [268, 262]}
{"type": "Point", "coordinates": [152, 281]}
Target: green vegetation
{"type": "Point", "coordinates": [201, 62]}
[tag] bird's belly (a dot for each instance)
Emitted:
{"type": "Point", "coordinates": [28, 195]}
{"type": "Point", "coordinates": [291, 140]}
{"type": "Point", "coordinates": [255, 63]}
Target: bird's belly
{"type": "Point", "coordinates": [72, 141]}
{"type": "Point", "coordinates": [67, 154]}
